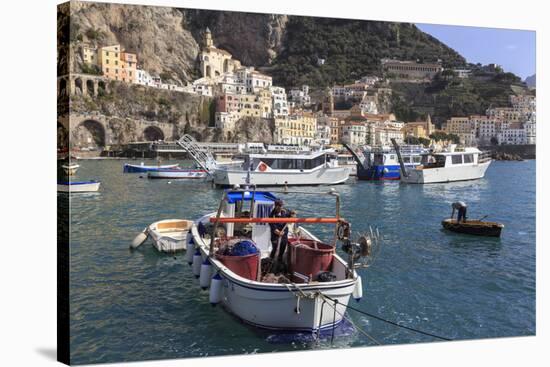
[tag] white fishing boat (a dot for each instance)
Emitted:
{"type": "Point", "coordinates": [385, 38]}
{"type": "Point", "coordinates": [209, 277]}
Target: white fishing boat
{"type": "Point", "coordinates": [78, 186]}
{"type": "Point", "coordinates": [168, 235]}
{"type": "Point", "coordinates": [179, 174]}
{"type": "Point", "coordinates": [70, 168]}
{"type": "Point", "coordinates": [311, 294]}
{"type": "Point", "coordinates": [448, 166]}
{"type": "Point", "coordinates": [282, 169]}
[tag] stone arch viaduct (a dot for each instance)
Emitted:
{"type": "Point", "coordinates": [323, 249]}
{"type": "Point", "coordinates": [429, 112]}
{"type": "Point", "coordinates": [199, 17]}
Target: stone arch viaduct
{"type": "Point", "coordinates": [97, 130]}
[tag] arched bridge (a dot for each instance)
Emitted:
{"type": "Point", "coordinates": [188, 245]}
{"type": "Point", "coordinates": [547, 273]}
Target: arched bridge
{"type": "Point", "coordinates": [97, 130]}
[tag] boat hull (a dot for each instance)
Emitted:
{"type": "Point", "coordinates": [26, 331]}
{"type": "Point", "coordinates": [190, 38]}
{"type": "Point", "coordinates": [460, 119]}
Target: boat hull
{"type": "Point", "coordinates": [170, 235]}
{"type": "Point", "coordinates": [135, 168]}
{"type": "Point", "coordinates": [191, 174]}
{"type": "Point", "coordinates": [296, 307]}
{"type": "Point", "coordinates": [446, 174]}
{"type": "Point", "coordinates": [318, 176]}
{"type": "Point", "coordinates": [78, 187]}
{"type": "Point", "coordinates": [381, 172]}
{"type": "Point", "coordinates": [477, 228]}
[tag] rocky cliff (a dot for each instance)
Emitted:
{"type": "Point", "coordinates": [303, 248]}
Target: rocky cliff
{"type": "Point", "coordinates": [156, 34]}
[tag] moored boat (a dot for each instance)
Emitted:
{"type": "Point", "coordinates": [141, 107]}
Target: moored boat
{"type": "Point", "coordinates": [382, 163]}
{"type": "Point", "coordinates": [140, 168]}
{"type": "Point", "coordinates": [78, 186]}
{"type": "Point", "coordinates": [178, 173]}
{"type": "Point", "coordinates": [474, 227]}
{"type": "Point", "coordinates": [231, 250]}
{"type": "Point", "coordinates": [70, 168]}
{"type": "Point", "coordinates": [448, 166]}
{"type": "Point", "coordinates": [276, 169]}
{"type": "Point", "coordinates": [169, 235]}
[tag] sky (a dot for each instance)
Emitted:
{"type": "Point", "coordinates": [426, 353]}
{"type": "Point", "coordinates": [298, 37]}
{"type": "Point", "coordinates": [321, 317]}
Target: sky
{"type": "Point", "coordinates": [513, 49]}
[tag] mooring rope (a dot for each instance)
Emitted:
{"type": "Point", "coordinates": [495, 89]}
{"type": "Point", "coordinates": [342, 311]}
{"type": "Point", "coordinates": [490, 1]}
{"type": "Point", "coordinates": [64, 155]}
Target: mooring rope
{"type": "Point", "coordinates": [390, 322]}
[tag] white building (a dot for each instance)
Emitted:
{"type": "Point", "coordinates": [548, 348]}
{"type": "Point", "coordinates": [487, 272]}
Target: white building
{"type": "Point", "coordinates": [381, 133]}
{"type": "Point", "coordinates": [354, 133]}
{"type": "Point", "coordinates": [280, 104]}
{"type": "Point", "coordinates": [530, 132]}
{"type": "Point", "coordinates": [301, 96]}
{"type": "Point", "coordinates": [368, 105]}
{"type": "Point", "coordinates": [252, 80]}
{"type": "Point", "coordinates": [226, 120]}
{"type": "Point", "coordinates": [322, 134]}
{"type": "Point", "coordinates": [512, 133]}
{"type": "Point", "coordinates": [144, 78]}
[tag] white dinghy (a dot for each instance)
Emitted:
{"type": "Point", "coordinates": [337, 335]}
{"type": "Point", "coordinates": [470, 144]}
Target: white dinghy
{"type": "Point", "coordinates": [168, 235]}
{"type": "Point", "coordinates": [309, 292]}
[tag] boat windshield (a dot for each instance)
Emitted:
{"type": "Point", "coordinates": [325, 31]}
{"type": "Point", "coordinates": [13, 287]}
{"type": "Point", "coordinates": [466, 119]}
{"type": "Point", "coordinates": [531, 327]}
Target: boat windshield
{"type": "Point", "coordinates": [289, 163]}
{"type": "Point", "coordinates": [433, 161]}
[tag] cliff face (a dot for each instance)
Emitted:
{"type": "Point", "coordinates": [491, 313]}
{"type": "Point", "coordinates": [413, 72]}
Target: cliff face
{"type": "Point", "coordinates": [254, 39]}
{"type": "Point", "coordinates": [155, 34]}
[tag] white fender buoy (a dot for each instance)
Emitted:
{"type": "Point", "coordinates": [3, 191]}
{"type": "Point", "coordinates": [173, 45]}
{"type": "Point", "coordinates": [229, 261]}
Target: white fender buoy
{"type": "Point", "coordinates": [358, 290]}
{"type": "Point", "coordinates": [196, 266]}
{"type": "Point", "coordinates": [139, 239]}
{"type": "Point", "coordinates": [205, 274]}
{"type": "Point", "coordinates": [385, 170]}
{"type": "Point", "coordinates": [215, 295]}
{"type": "Point", "coordinates": [190, 251]}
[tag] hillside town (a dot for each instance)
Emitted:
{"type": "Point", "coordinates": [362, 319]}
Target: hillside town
{"type": "Point", "coordinates": [241, 91]}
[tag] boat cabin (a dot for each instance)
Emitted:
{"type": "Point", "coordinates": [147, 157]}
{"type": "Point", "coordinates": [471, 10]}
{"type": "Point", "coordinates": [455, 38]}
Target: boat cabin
{"type": "Point", "coordinates": [304, 161]}
{"type": "Point", "coordinates": [468, 156]}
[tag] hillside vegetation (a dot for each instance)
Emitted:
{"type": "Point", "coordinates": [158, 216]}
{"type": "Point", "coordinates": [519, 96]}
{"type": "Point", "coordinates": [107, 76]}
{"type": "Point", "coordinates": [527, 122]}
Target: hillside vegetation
{"type": "Point", "coordinates": [351, 49]}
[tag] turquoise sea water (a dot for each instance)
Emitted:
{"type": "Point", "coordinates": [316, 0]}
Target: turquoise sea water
{"type": "Point", "coordinates": [143, 305]}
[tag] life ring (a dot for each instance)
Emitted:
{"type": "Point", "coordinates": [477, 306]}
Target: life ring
{"type": "Point", "coordinates": [262, 167]}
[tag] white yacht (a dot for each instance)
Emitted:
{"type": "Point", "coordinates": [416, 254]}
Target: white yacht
{"type": "Point", "coordinates": [453, 165]}
{"type": "Point", "coordinates": [282, 169]}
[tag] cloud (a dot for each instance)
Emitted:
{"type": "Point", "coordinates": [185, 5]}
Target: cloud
{"type": "Point", "coordinates": [511, 47]}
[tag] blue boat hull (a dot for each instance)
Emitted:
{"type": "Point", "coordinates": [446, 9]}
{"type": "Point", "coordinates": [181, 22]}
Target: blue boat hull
{"type": "Point", "coordinates": [131, 168]}
{"type": "Point", "coordinates": [381, 172]}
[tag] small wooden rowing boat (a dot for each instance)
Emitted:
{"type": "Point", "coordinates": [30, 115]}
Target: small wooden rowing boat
{"type": "Point", "coordinates": [80, 186]}
{"type": "Point", "coordinates": [474, 227]}
{"type": "Point", "coordinates": [169, 235]}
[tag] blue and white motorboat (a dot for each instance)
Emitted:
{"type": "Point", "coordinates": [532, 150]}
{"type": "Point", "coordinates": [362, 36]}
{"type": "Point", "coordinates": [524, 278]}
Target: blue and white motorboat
{"type": "Point", "coordinates": [383, 163]}
{"type": "Point", "coordinates": [78, 186]}
{"type": "Point", "coordinates": [140, 168]}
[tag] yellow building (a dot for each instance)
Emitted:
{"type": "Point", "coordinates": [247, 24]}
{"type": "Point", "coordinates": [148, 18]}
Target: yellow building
{"type": "Point", "coordinates": [421, 129]}
{"type": "Point", "coordinates": [249, 106]}
{"type": "Point", "coordinates": [266, 102]}
{"type": "Point", "coordinates": [298, 128]}
{"type": "Point", "coordinates": [117, 64]}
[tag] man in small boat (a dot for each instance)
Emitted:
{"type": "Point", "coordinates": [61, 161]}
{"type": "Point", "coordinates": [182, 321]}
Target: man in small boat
{"type": "Point", "coordinates": [279, 231]}
{"type": "Point", "coordinates": [461, 207]}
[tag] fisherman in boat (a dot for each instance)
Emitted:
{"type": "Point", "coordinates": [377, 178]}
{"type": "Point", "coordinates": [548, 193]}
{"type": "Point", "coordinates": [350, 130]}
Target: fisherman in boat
{"type": "Point", "coordinates": [279, 231]}
{"type": "Point", "coordinates": [461, 207]}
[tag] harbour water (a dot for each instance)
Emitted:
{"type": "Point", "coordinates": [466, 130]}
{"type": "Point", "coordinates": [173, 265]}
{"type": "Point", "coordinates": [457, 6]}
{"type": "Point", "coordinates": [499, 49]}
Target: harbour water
{"type": "Point", "coordinates": [144, 305]}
